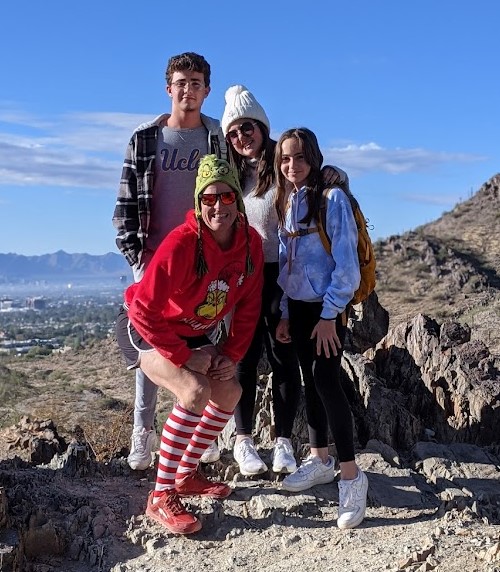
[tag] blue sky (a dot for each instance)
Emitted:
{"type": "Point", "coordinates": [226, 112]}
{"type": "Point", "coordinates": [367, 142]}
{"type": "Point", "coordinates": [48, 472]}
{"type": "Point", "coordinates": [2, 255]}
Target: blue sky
{"type": "Point", "coordinates": [403, 95]}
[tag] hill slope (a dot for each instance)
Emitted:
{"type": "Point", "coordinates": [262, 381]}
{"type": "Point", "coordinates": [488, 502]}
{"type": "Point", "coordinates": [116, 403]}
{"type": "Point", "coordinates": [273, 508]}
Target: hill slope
{"type": "Point", "coordinates": [449, 268]}
{"type": "Point", "coordinates": [61, 264]}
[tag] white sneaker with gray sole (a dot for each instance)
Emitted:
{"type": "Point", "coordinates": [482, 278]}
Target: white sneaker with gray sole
{"type": "Point", "coordinates": [311, 472]}
{"type": "Point", "coordinates": [211, 454]}
{"type": "Point", "coordinates": [352, 501]}
{"type": "Point", "coordinates": [283, 457]}
{"type": "Point", "coordinates": [248, 459]}
{"type": "Point", "coordinates": [143, 444]}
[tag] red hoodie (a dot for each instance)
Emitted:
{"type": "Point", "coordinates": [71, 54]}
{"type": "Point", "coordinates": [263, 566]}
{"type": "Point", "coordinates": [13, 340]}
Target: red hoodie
{"type": "Point", "coordinates": [171, 301]}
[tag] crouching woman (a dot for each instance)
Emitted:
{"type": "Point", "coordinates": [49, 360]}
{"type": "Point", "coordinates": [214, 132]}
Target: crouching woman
{"type": "Point", "coordinates": [206, 268]}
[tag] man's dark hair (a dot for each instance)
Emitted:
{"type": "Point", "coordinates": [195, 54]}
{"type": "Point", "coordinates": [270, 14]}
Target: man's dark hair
{"type": "Point", "coordinates": [188, 61]}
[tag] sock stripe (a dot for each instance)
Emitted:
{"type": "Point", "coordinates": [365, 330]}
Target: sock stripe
{"type": "Point", "coordinates": [177, 432]}
{"type": "Point", "coordinates": [212, 422]}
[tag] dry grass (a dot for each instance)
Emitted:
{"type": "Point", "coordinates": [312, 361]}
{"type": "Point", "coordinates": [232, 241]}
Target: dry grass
{"type": "Point", "coordinates": [109, 439]}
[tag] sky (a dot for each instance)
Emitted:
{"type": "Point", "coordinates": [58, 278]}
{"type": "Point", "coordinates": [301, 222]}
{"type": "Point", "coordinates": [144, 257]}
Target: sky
{"type": "Point", "coordinates": [404, 96]}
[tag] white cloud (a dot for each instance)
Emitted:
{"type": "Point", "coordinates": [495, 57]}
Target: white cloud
{"type": "Point", "coordinates": [434, 199]}
{"type": "Point", "coordinates": [370, 157]}
{"type": "Point", "coordinates": [74, 150]}
{"type": "Point", "coordinates": [87, 149]}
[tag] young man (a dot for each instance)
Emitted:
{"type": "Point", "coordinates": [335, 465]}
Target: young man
{"type": "Point", "coordinates": [156, 191]}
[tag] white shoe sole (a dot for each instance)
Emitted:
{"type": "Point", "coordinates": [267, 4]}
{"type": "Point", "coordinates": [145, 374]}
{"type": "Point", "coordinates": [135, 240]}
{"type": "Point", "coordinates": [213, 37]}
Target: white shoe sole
{"type": "Point", "coordinates": [284, 469]}
{"type": "Point", "coordinates": [250, 474]}
{"type": "Point", "coordinates": [138, 466]}
{"type": "Point", "coordinates": [208, 460]}
{"type": "Point", "coordinates": [353, 524]}
{"type": "Point", "coordinates": [296, 488]}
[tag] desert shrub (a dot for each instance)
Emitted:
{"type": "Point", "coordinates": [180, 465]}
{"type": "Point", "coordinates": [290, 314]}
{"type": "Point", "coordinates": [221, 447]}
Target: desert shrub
{"type": "Point", "coordinates": [113, 404]}
{"type": "Point", "coordinates": [112, 439]}
{"type": "Point", "coordinates": [38, 352]}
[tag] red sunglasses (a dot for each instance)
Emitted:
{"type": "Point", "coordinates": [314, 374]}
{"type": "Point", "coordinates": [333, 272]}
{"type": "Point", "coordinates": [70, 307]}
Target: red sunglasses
{"type": "Point", "coordinates": [227, 198]}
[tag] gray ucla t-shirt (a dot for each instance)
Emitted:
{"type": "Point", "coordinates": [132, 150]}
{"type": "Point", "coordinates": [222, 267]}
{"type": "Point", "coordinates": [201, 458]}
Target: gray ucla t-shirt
{"type": "Point", "coordinates": [178, 153]}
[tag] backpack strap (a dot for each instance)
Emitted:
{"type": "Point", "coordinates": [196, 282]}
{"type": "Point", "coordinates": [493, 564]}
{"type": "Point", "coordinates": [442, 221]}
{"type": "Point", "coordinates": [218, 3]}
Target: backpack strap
{"type": "Point", "coordinates": [325, 239]}
{"type": "Point", "coordinates": [302, 232]}
{"type": "Point", "coordinates": [217, 148]}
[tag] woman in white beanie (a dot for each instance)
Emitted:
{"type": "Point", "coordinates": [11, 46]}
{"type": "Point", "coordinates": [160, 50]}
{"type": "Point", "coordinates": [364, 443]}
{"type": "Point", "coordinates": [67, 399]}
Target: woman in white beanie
{"type": "Point", "coordinates": [251, 150]}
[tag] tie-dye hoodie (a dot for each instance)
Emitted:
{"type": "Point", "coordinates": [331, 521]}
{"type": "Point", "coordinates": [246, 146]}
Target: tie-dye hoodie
{"type": "Point", "coordinates": [307, 271]}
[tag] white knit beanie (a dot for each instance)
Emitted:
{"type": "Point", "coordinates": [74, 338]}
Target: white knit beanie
{"type": "Point", "coordinates": [241, 104]}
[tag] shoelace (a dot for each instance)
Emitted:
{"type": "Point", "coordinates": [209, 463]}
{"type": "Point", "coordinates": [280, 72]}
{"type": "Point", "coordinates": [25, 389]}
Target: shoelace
{"type": "Point", "coordinates": [247, 449]}
{"type": "Point", "coordinates": [279, 448]}
{"type": "Point", "coordinates": [346, 494]}
{"type": "Point", "coordinates": [140, 442]}
{"type": "Point", "coordinates": [201, 478]}
{"type": "Point", "coordinates": [304, 467]}
{"type": "Point", "coordinates": [284, 447]}
{"type": "Point", "coordinates": [172, 503]}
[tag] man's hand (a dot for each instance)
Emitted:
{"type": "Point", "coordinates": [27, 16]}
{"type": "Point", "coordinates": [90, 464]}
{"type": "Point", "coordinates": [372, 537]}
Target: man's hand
{"type": "Point", "coordinates": [222, 368]}
{"type": "Point", "coordinates": [325, 332]}
{"type": "Point", "coordinates": [199, 361]}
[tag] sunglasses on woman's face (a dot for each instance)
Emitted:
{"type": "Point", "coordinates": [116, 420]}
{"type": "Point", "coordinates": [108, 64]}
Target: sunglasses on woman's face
{"type": "Point", "coordinates": [246, 129]}
{"type": "Point", "coordinates": [227, 198]}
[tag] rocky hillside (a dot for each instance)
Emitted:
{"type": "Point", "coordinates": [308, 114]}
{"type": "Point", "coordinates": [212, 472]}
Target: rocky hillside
{"type": "Point", "coordinates": [421, 371]}
{"type": "Point", "coordinates": [449, 268]}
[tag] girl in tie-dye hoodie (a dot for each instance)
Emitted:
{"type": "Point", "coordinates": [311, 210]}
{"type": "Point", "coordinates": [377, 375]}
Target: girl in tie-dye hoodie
{"type": "Point", "coordinates": [318, 286]}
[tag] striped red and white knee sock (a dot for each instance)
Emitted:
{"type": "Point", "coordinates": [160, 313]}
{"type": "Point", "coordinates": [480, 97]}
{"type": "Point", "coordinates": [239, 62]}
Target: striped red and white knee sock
{"type": "Point", "coordinates": [175, 437]}
{"type": "Point", "coordinates": [211, 424]}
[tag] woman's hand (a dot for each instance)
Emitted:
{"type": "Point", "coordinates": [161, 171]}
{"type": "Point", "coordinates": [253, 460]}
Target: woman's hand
{"type": "Point", "coordinates": [199, 361]}
{"type": "Point", "coordinates": [325, 332]}
{"type": "Point", "coordinates": [222, 368]}
{"type": "Point", "coordinates": [283, 331]}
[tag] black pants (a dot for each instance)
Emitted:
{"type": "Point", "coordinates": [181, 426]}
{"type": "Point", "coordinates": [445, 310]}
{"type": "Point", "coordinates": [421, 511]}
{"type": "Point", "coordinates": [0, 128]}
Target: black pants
{"type": "Point", "coordinates": [326, 402]}
{"type": "Point", "coordinates": [286, 379]}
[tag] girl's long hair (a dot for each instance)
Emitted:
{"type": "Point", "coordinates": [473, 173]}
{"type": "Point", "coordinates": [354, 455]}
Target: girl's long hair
{"type": "Point", "coordinates": [265, 165]}
{"type": "Point", "coordinates": [314, 158]}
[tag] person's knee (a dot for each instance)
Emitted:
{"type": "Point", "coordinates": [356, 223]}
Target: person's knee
{"type": "Point", "coordinates": [230, 394]}
{"type": "Point", "coordinates": [195, 395]}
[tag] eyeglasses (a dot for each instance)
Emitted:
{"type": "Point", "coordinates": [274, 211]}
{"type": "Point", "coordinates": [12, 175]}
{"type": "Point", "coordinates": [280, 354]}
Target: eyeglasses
{"type": "Point", "coordinates": [195, 85]}
{"type": "Point", "coordinates": [227, 198]}
{"type": "Point", "coordinates": [246, 129]}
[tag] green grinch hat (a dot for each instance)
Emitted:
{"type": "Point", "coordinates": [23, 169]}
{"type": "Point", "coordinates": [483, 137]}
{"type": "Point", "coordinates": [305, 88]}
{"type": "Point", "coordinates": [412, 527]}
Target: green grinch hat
{"type": "Point", "coordinates": [213, 170]}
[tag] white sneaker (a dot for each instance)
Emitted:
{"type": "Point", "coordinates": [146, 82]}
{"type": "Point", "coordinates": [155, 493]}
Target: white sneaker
{"type": "Point", "coordinates": [352, 501]}
{"type": "Point", "coordinates": [211, 454]}
{"type": "Point", "coordinates": [248, 459]}
{"type": "Point", "coordinates": [283, 458]}
{"type": "Point", "coordinates": [311, 472]}
{"type": "Point", "coordinates": [143, 443]}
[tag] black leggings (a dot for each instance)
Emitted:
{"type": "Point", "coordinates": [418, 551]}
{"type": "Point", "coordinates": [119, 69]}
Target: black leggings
{"type": "Point", "coordinates": [326, 402]}
{"type": "Point", "coordinates": [286, 379]}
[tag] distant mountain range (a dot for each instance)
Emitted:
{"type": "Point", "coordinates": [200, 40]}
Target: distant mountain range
{"type": "Point", "coordinates": [60, 264]}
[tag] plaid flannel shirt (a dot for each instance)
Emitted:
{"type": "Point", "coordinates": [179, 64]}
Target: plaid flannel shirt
{"type": "Point", "coordinates": [133, 205]}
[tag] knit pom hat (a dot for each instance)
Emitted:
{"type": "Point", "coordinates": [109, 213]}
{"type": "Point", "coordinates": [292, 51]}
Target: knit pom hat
{"type": "Point", "coordinates": [241, 104]}
{"type": "Point", "coordinates": [214, 170]}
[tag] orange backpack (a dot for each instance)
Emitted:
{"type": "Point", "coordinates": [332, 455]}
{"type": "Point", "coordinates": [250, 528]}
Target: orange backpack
{"type": "Point", "coordinates": [366, 254]}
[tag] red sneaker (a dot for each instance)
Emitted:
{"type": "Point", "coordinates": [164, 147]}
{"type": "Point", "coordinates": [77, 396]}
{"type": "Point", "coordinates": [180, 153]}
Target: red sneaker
{"type": "Point", "coordinates": [171, 514]}
{"type": "Point", "coordinates": [196, 484]}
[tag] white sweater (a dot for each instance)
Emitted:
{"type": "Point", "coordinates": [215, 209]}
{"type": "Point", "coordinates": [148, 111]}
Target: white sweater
{"type": "Point", "coordinates": [262, 214]}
